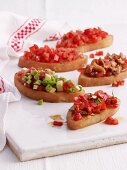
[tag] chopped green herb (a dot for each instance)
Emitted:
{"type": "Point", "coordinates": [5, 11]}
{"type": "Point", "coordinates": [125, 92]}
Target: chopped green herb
{"type": "Point", "coordinates": [98, 101]}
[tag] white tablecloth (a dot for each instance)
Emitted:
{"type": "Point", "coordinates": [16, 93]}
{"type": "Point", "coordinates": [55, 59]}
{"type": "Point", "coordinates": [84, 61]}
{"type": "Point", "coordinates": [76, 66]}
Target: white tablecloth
{"type": "Point", "coordinates": [109, 158]}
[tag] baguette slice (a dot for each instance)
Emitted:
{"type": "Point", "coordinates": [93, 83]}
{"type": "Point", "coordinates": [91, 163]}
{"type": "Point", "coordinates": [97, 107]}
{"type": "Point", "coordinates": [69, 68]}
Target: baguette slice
{"type": "Point", "coordinates": [57, 67]}
{"type": "Point", "coordinates": [93, 81]}
{"type": "Point", "coordinates": [106, 42]}
{"type": "Point", "coordinates": [89, 120]}
{"type": "Point", "coordinates": [48, 97]}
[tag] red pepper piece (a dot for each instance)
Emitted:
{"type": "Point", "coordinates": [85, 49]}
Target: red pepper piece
{"type": "Point", "coordinates": [57, 123]}
{"type": "Point", "coordinates": [111, 121]}
{"type": "Point", "coordinates": [91, 55]}
{"type": "Point", "coordinates": [99, 53]}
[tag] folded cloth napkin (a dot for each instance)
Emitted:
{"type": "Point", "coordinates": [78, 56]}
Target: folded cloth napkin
{"type": "Point", "coordinates": [8, 93]}
{"type": "Point", "coordinates": [17, 34]}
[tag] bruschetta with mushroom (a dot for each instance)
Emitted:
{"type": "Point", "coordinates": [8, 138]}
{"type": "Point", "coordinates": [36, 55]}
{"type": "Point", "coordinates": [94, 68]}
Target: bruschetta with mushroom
{"type": "Point", "coordinates": [87, 40]}
{"type": "Point", "coordinates": [59, 60]}
{"type": "Point", "coordinates": [90, 109]}
{"type": "Point", "coordinates": [104, 71]}
{"type": "Point", "coordinates": [45, 84]}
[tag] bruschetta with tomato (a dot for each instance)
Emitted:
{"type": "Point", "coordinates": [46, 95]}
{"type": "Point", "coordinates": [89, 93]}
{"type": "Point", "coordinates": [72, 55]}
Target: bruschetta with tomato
{"type": "Point", "coordinates": [59, 60]}
{"type": "Point", "coordinates": [104, 71]}
{"type": "Point", "coordinates": [87, 40]}
{"type": "Point", "coordinates": [45, 84]}
{"type": "Point", "coordinates": [90, 109]}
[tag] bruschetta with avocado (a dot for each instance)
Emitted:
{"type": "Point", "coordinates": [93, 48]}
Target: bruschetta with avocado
{"type": "Point", "coordinates": [45, 84]}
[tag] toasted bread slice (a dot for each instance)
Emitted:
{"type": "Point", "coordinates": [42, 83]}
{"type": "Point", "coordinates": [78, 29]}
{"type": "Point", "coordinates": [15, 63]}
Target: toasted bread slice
{"type": "Point", "coordinates": [89, 120]}
{"type": "Point", "coordinates": [48, 97]}
{"type": "Point", "coordinates": [106, 42]}
{"type": "Point", "coordinates": [57, 67]}
{"type": "Point", "coordinates": [93, 81]}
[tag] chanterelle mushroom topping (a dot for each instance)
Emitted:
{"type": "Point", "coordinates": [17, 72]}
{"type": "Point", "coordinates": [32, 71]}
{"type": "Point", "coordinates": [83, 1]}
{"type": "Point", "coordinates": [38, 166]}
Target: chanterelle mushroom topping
{"type": "Point", "coordinates": [112, 64]}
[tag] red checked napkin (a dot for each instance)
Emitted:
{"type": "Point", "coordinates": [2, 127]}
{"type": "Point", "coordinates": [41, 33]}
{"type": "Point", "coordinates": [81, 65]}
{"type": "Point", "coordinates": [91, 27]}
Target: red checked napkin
{"type": "Point", "coordinates": [17, 34]}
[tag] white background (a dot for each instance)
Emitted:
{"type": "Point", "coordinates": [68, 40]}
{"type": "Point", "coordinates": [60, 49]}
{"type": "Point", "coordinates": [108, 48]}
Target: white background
{"type": "Point", "coordinates": [78, 13]}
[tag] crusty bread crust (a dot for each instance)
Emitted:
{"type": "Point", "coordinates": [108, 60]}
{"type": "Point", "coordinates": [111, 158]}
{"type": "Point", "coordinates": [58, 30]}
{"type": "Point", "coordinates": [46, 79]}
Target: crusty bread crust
{"type": "Point", "coordinates": [48, 97]}
{"type": "Point", "coordinates": [106, 42]}
{"type": "Point", "coordinates": [57, 67]}
{"type": "Point", "coordinates": [89, 120]}
{"type": "Point", "coordinates": [93, 81]}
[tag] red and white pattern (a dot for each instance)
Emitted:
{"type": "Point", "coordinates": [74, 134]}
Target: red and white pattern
{"type": "Point", "coordinates": [54, 37]}
{"type": "Point", "coordinates": [2, 86]}
{"type": "Point", "coordinates": [31, 26]}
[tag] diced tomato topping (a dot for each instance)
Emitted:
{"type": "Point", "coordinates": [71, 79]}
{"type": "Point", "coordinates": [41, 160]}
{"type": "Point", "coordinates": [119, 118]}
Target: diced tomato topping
{"type": "Point", "coordinates": [118, 83]}
{"type": "Point", "coordinates": [57, 123]}
{"type": "Point", "coordinates": [50, 55]}
{"type": "Point", "coordinates": [111, 121]}
{"type": "Point", "coordinates": [99, 53]}
{"type": "Point", "coordinates": [91, 55]}
{"type": "Point", "coordinates": [20, 74]}
{"type": "Point", "coordinates": [92, 104]}
{"type": "Point", "coordinates": [112, 102]}
{"type": "Point", "coordinates": [74, 39]}
{"type": "Point", "coordinates": [77, 116]}
{"type": "Point", "coordinates": [102, 95]}
{"type": "Point", "coordinates": [34, 48]}
{"type": "Point", "coordinates": [67, 85]}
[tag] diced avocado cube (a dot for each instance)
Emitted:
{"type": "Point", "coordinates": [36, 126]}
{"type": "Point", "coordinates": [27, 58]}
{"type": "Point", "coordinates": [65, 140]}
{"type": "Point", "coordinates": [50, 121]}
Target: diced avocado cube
{"type": "Point", "coordinates": [36, 77]}
{"type": "Point", "coordinates": [40, 102]}
{"type": "Point", "coordinates": [35, 86]}
{"type": "Point", "coordinates": [79, 88]}
{"type": "Point", "coordinates": [59, 85]}
{"type": "Point", "coordinates": [38, 82]}
{"type": "Point", "coordinates": [71, 90]}
{"type": "Point", "coordinates": [29, 81]}
{"type": "Point", "coordinates": [50, 89]}
{"type": "Point", "coordinates": [24, 78]}
{"type": "Point", "coordinates": [34, 72]}
{"type": "Point", "coordinates": [29, 77]}
{"type": "Point", "coordinates": [48, 77]}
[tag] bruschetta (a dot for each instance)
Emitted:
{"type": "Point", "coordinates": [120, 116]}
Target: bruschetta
{"type": "Point", "coordinates": [104, 71]}
{"type": "Point", "coordinates": [87, 40]}
{"type": "Point", "coordinates": [45, 84]}
{"type": "Point", "coordinates": [59, 60]}
{"type": "Point", "coordinates": [90, 109]}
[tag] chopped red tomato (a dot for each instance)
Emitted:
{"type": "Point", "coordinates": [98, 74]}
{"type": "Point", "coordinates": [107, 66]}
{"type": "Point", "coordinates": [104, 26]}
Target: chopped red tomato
{"type": "Point", "coordinates": [92, 104]}
{"type": "Point", "coordinates": [74, 39]}
{"type": "Point", "coordinates": [118, 83]}
{"type": "Point", "coordinates": [47, 54]}
{"type": "Point", "coordinates": [34, 48]}
{"type": "Point", "coordinates": [57, 123]}
{"type": "Point", "coordinates": [91, 55]}
{"type": "Point", "coordinates": [112, 102]}
{"type": "Point", "coordinates": [67, 85]}
{"type": "Point", "coordinates": [111, 121]}
{"type": "Point", "coordinates": [77, 116]}
{"type": "Point", "coordinates": [102, 94]}
{"type": "Point", "coordinates": [99, 53]}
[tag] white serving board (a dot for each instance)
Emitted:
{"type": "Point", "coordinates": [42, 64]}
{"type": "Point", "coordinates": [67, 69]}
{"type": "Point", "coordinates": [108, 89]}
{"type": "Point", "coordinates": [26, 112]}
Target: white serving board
{"type": "Point", "coordinates": [30, 136]}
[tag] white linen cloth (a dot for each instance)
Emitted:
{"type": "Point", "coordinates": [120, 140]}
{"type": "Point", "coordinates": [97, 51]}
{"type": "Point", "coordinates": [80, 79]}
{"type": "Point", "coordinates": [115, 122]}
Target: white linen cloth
{"type": "Point", "coordinates": [17, 33]}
